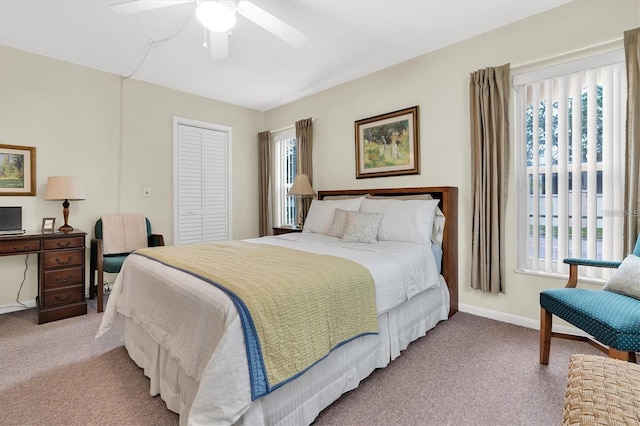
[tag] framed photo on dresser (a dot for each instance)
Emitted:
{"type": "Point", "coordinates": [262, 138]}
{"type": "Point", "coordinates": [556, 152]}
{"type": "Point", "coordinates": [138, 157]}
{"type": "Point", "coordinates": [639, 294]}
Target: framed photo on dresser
{"type": "Point", "coordinates": [48, 224]}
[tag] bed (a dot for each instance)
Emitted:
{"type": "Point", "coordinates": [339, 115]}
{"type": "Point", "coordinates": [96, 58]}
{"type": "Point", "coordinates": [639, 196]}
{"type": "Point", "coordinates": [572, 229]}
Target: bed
{"type": "Point", "coordinates": [187, 335]}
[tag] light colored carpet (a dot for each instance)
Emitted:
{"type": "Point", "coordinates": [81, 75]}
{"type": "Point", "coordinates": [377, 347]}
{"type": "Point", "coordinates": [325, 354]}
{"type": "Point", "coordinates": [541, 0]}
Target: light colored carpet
{"type": "Point", "coordinates": [467, 371]}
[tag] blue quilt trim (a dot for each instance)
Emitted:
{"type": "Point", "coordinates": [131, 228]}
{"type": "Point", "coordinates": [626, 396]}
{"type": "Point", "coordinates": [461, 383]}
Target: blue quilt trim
{"type": "Point", "coordinates": [260, 385]}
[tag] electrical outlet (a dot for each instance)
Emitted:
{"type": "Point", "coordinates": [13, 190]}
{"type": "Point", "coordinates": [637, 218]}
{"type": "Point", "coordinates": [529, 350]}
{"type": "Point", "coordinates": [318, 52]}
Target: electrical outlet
{"type": "Point", "coordinates": [146, 191]}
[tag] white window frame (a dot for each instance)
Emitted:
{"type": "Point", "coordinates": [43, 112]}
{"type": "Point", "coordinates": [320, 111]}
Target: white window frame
{"type": "Point", "coordinates": [279, 189]}
{"type": "Point", "coordinates": [546, 266]}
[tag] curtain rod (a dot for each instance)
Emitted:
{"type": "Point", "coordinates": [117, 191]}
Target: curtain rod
{"type": "Point", "coordinates": [288, 127]}
{"type": "Point", "coordinates": [283, 129]}
{"type": "Point", "coordinates": [607, 44]}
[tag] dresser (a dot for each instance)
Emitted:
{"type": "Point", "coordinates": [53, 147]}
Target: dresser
{"type": "Point", "coordinates": [61, 270]}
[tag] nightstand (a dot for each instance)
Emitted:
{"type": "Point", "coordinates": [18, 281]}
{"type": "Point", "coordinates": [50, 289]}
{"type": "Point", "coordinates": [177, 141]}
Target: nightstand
{"type": "Point", "coordinates": [279, 230]}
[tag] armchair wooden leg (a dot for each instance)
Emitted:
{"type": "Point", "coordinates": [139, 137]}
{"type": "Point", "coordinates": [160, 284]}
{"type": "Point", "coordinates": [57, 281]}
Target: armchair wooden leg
{"type": "Point", "coordinates": [545, 335]}
{"type": "Point", "coordinates": [92, 283]}
{"type": "Point", "coordinates": [622, 355]}
{"type": "Point", "coordinates": [100, 288]}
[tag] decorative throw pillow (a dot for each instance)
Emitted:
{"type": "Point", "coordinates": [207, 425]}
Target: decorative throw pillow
{"type": "Point", "coordinates": [626, 279]}
{"type": "Point", "coordinates": [361, 227]}
{"type": "Point", "coordinates": [339, 223]}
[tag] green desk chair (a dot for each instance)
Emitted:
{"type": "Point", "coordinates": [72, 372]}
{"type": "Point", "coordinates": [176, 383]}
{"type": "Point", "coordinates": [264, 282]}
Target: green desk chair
{"type": "Point", "coordinates": [100, 263]}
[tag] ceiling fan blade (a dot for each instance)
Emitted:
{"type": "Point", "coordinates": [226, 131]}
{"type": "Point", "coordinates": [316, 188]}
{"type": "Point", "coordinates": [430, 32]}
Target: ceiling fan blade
{"type": "Point", "coordinates": [270, 23]}
{"type": "Point", "coordinates": [219, 44]}
{"type": "Point", "coordinates": [136, 6]}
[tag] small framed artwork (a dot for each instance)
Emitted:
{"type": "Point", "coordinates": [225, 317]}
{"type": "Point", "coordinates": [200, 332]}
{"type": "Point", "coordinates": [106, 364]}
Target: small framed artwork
{"type": "Point", "coordinates": [388, 144]}
{"type": "Point", "coordinates": [48, 224]}
{"type": "Point", "coordinates": [17, 170]}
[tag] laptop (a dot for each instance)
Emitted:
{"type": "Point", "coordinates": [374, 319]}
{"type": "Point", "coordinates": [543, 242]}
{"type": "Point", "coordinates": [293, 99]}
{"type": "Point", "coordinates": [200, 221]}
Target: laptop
{"type": "Point", "coordinates": [11, 221]}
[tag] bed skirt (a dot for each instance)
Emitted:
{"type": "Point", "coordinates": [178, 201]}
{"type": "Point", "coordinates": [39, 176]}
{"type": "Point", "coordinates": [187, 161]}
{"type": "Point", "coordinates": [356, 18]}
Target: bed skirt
{"type": "Point", "coordinates": [300, 401]}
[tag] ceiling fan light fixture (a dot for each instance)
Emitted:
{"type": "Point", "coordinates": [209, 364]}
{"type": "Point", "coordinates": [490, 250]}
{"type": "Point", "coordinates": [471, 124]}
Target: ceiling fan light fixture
{"type": "Point", "coordinates": [217, 16]}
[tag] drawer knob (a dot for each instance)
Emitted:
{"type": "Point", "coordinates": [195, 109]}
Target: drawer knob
{"type": "Point", "coordinates": [63, 299]}
{"type": "Point", "coordinates": [64, 262]}
{"type": "Point", "coordinates": [64, 280]}
{"type": "Point", "coordinates": [65, 245]}
{"type": "Point", "coordinates": [25, 247]}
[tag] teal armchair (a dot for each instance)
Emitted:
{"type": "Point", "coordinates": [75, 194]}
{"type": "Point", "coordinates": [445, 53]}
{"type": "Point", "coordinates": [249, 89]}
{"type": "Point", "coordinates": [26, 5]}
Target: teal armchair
{"type": "Point", "coordinates": [611, 319]}
{"type": "Point", "coordinates": [99, 263]}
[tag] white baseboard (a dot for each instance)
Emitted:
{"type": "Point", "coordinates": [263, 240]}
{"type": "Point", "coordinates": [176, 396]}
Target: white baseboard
{"type": "Point", "coordinates": [517, 320]}
{"type": "Point", "coordinates": [16, 307]}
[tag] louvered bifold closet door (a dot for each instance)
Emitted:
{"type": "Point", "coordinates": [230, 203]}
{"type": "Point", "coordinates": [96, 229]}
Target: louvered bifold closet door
{"type": "Point", "coordinates": [202, 185]}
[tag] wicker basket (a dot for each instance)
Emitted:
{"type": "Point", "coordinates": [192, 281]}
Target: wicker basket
{"type": "Point", "coordinates": [602, 391]}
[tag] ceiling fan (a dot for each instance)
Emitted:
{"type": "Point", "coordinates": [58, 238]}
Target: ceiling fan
{"type": "Point", "coordinates": [219, 16]}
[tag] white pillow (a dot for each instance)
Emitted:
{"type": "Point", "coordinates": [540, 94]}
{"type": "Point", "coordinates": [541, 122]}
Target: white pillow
{"type": "Point", "coordinates": [361, 227]}
{"type": "Point", "coordinates": [410, 221]}
{"type": "Point", "coordinates": [437, 232]}
{"type": "Point", "coordinates": [626, 279]}
{"type": "Point", "coordinates": [320, 213]}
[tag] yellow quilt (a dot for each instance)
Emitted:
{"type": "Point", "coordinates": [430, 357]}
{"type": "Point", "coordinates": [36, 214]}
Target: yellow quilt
{"type": "Point", "coordinates": [295, 306]}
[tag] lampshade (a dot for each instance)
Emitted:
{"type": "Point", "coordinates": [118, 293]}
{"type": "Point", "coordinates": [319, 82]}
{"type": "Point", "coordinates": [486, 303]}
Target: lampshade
{"type": "Point", "coordinates": [64, 188]}
{"type": "Point", "coordinates": [302, 187]}
{"type": "Point", "coordinates": [218, 15]}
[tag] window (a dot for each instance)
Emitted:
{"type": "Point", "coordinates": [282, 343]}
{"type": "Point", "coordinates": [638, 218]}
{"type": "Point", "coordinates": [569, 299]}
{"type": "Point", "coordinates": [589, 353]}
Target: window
{"type": "Point", "coordinates": [570, 122]}
{"type": "Point", "coordinates": [285, 210]}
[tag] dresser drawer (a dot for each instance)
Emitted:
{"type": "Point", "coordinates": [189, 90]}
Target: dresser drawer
{"type": "Point", "coordinates": [63, 296]}
{"type": "Point", "coordinates": [62, 277]}
{"type": "Point", "coordinates": [21, 246]}
{"type": "Point", "coordinates": [59, 259]}
{"type": "Point", "coordinates": [63, 243]}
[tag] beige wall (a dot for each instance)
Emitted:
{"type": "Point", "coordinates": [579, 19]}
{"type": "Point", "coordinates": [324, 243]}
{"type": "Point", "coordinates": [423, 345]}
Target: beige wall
{"type": "Point", "coordinates": [71, 114]}
{"type": "Point", "coordinates": [438, 83]}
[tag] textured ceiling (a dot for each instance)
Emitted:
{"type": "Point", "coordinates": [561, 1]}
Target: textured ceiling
{"type": "Point", "coordinates": [345, 40]}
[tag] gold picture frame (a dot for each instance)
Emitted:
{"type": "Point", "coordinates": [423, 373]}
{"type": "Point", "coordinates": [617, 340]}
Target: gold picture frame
{"type": "Point", "coordinates": [17, 170]}
{"type": "Point", "coordinates": [48, 225]}
{"type": "Point", "coordinates": [388, 144]}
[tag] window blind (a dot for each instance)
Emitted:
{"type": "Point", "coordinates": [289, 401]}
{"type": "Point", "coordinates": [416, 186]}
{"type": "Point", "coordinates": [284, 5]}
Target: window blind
{"type": "Point", "coordinates": [571, 128]}
{"type": "Point", "coordinates": [284, 173]}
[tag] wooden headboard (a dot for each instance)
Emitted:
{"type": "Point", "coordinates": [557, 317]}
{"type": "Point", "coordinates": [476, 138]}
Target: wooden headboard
{"type": "Point", "coordinates": [448, 196]}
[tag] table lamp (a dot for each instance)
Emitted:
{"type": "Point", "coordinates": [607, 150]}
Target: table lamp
{"type": "Point", "coordinates": [64, 188]}
{"type": "Point", "coordinates": [301, 189]}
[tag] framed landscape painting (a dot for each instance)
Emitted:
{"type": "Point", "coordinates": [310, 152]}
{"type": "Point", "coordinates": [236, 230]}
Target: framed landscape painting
{"type": "Point", "coordinates": [17, 170]}
{"type": "Point", "coordinates": [388, 144]}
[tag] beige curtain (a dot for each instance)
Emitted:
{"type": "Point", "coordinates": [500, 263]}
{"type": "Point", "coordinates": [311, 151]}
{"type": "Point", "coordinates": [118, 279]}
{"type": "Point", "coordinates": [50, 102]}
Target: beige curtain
{"type": "Point", "coordinates": [489, 91]}
{"type": "Point", "coordinates": [264, 170]}
{"type": "Point", "coordinates": [304, 137]}
{"type": "Point", "coordinates": [632, 154]}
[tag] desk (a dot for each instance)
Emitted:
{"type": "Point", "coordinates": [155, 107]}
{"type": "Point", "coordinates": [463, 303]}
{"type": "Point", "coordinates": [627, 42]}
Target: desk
{"type": "Point", "coordinates": [61, 270]}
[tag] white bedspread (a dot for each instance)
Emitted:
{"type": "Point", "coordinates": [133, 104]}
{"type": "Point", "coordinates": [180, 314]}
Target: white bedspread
{"type": "Point", "coordinates": [199, 325]}
{"type": "Point", "coordinates": [400, 270]}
